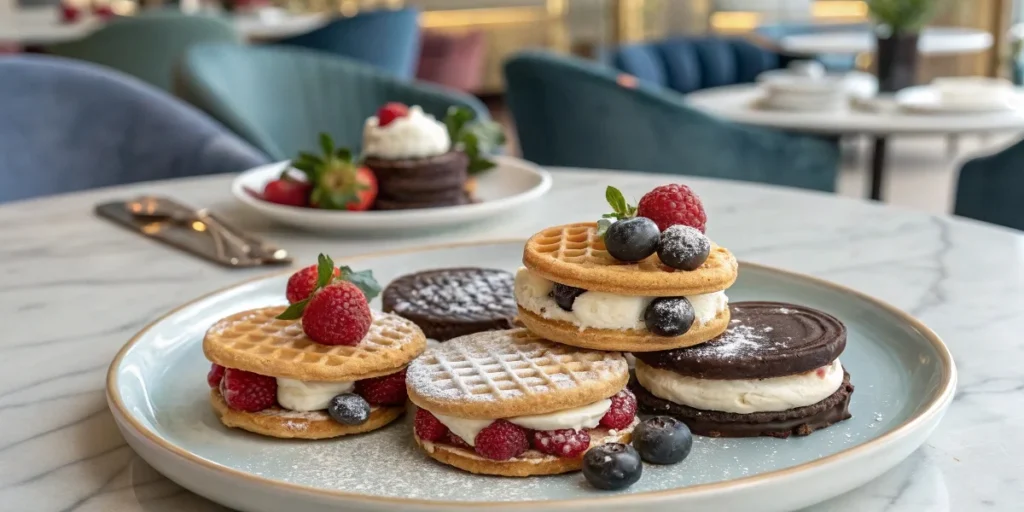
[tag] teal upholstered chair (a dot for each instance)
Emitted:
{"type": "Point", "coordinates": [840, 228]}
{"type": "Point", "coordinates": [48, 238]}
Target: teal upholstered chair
{"type": "Point", "coordinates": [147, 47]}
{"type": "Point", "coordinates": [991, 188]}
{"type": "Point", "coordinates": [280, 98]}
{"type": "Point", "coordinates": [574, 113]}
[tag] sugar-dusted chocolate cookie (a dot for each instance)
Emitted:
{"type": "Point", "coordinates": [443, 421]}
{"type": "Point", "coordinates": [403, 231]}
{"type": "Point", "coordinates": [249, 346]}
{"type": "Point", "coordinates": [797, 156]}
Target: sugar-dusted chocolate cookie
{"type": "Point", "coordinates": [452, 302]}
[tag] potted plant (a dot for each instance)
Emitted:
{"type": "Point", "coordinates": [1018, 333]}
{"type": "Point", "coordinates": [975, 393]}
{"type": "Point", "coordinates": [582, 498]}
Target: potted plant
{"type": "Point", "coordinates": [898, 25]}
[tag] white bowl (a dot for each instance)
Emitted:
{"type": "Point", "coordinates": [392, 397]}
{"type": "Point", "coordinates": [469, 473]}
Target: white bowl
{"type": "Point", "coordinates": [512, 184]}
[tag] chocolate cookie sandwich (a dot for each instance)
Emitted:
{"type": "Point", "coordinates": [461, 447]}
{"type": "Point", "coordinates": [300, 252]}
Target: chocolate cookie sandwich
{"type": "Point", "coordinates": [775, 372]}
{"type": "Point", "coordinates": [511, 404]}
{"type": "Point", "coordinates": [451, 302]}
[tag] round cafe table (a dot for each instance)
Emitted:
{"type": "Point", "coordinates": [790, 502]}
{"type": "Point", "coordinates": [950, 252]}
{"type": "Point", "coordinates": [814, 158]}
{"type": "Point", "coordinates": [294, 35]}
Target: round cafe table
{"type": "Point", "coordinates": [933, 41]}
{"type": "Point", "coordinates": [74, 288]}
{"type": "Point", "coordinates": [739, 103]}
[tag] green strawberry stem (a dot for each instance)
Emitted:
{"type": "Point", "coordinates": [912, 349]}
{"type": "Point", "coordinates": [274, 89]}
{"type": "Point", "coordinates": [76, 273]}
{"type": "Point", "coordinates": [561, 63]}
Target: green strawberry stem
{"type": "Point", "coordinates": [363, 280]}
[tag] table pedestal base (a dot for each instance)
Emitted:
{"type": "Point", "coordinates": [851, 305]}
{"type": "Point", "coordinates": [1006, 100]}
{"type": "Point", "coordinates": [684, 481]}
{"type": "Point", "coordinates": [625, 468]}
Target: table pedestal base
{"type": "Point", "coordinates": [877, 168]}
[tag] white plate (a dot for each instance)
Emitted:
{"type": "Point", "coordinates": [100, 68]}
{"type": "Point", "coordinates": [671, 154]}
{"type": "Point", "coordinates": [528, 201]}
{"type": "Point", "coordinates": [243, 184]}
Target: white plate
{"type": "Point", "coordinates": [927, 99]}
{"type": "Point", "coordinates": [158, 394]}
{"type": "Point", "coordinates": [512, 184]}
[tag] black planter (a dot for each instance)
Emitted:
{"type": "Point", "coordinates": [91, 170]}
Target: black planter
{"type": "Point", "coordinates": [896, 61]}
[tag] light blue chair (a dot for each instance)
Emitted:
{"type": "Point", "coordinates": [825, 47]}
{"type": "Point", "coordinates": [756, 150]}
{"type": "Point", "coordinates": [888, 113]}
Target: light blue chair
{"type": "Point", "coordinates": [991, 188]}
{"type": "Point", "coordinates": [388, 40]}
{"type": "Point", "coordinates": [281, 98]}
{"type": "Point", "coordinates": [67, 125]}
{"type": "Point", "coordinates": [570, 112]}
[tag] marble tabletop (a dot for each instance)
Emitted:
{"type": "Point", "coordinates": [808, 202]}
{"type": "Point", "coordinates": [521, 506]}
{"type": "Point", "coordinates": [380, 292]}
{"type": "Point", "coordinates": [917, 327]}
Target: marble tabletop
{"type": "Point", "coordinates": [74, 288]}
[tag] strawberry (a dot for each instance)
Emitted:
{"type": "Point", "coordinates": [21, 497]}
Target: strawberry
{"type": "Point", "coordinates": [622, 412]}
{"type": "Point", "coordinates": [561, 443]}
{"type": "Point", "coordinates": [391, 111]}
{"type": "Point", "coordinates": [247, 391]}
{"type": "Point", "coordinates": [215, 375]}
{"type": "Point", "coordinates": [338, 183]}
{"type": "Point", "coordinates": [669, 205]}
{"type": "Point", "coordinates": [386, 390]}
{"type": "Point", "coordinates": [428, 427]}
{"type": "Point", "coordinates": [302, 283]}
{"type": "Point", "coordinates": [287, 191]}
{"type": "Point", "coordinates": [501, 440]}
{"type": "Point", "coordinates": [336, 311]}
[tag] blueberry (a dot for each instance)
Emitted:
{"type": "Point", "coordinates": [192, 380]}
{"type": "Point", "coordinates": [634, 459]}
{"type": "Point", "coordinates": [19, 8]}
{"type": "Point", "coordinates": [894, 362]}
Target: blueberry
{"type": "Point", "coordinates": [349, 409]}
{"type": "Point", "coordinates": [612, 466]}
{"type": "Point", "coordinates": [683, 248]}
{"type": "Point", "coordinates": [662, 440]}
{"type": "Point", "coordinates": [565, 295]}
{"type": "Point", "coordinates": [669, 316]}
{"type": "Point", "coordinates": [632, 239]}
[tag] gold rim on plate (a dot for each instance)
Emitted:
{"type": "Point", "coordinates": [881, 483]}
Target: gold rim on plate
{"type": "Point", "coordinates": [942, 394]}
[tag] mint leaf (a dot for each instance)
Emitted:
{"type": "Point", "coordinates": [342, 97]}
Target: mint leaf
{"type": "Point", "coordinates": [602, 226]}
{"type": "Point", "coordinates": [616, 200]}
{"type": "Point", "coordinates": [294, 311]}
{"type": "Point", "coordinates": [363, 279]}
{"type": "Point", "coordinates": [456, 119]}
{"type": "Point", "coordinates": [477, 139]}
{"type": "Point", "coordinates": [324, 271]}
{"type": "Point", "coordinates": [326, 144]}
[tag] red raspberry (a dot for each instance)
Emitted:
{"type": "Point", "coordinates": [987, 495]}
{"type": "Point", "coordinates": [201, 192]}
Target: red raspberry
{"type": "Point", "coordinates": [302, 283]}
{"type": "Point", "coordinates": [215, 376]}
{"type": "Point", "coordinates": [247, 391]}
{"type": "Point", "coordinates": [561, 443]}
{"type": "Point", "coordinates": [623, 411]}
{"type": "Point", "coordinates": [669, 205]}
{"type": "Point", "coordinates": [386, 390]}
{"type": "Point", "coordinates": [457, 442]}
{"type": "Point", "coordinates": [391, 111]}
{"type": "Point", "coordinates": [501, 440]}
{"type": "Point", "coordinates": [337, 315]}
{"type": "Point", "coordinates": [429, 428]}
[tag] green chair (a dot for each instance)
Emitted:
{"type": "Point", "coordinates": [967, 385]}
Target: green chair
{"type": "Point", "coordinates": [991, 188]}
{"type": "Point", "coordinates": [279, 98]}
{"type": "Point", "coordinates": [149, 46]}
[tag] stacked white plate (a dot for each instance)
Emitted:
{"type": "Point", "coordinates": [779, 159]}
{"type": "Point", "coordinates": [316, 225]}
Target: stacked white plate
{"type": "Point", "coordinates": [805, 87]}
{"type": "Point", "coordinates": [961, 95]}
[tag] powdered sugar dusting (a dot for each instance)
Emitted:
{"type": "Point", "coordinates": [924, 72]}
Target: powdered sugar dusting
{"type": "Point", "coordinates": [463, 292]}
{"type": "Point", "coordinates": [685, 241]}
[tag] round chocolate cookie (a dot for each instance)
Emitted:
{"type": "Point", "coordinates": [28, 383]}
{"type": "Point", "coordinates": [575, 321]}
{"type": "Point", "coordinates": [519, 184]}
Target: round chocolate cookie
{"type": "Point", "coordinates": [799, 421]}
{"type": "Point", "coordinates": [764, 339]}
{"type": "Point", "coordinates": [392, 204]}
{"type": "Point", "coordinates": [451, 302]}
{"type": "Point", "coordinates": [402, 177]}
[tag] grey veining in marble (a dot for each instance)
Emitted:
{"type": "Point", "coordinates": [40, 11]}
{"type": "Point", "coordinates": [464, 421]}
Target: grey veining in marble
{"type": "Point", "coordinates": [74, 288]}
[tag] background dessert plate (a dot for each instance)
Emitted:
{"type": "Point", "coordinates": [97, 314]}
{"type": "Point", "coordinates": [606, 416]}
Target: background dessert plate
{"type": "Point", "coordinates": [156, 390]}
{"type": "Point", "coordinates": [512, 184]}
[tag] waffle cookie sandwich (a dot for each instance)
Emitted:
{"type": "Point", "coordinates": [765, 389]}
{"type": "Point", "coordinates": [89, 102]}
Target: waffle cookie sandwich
{"type": "Point", "coordinates": [451, 302]}
{"type": "Point", "coordinates": [325, 366]}
{"type": "Point", "coordinates": [509, 403]}
{"type": "Point", "coordinates": [775, 372]}
{"type": "Point", "coordinates": [642, 283]}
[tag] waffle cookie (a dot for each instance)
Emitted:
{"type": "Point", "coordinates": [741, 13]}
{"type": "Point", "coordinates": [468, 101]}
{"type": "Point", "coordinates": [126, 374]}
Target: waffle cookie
{"type": "Point", "coordinates": [609, 309]}
{"type": "Point", "coordinates": [775, 372]}
{"type": "Point", "coordinates": [470, 387]}
{"type": "Point", "coordinates": [451, 302]}
{"type": "Point", "coordinates": [256, 341]}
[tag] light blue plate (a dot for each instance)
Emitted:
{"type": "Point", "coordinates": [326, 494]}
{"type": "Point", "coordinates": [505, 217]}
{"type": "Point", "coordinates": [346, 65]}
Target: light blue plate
{"type": "Point", "coordinates": [904, 379]}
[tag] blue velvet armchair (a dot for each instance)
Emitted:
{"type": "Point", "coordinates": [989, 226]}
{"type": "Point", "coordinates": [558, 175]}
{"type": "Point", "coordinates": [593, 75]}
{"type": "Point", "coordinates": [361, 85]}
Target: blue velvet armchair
{"type": "Point", "coordinates": [68, 125]}
{"type": "Point", "coordinates": [991, 188]}
{"type": "Point", "coordinates": [574, 113]}
{"type": "Point", "coordinates": [388, 40]}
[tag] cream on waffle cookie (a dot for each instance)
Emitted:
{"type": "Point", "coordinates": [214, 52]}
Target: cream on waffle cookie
{"type": "Point", "coordinates": [573, 291]}
{"type": "Point", "coordinates": [325, 366]}
{"type": "Point", "coordinates": [509, 403]}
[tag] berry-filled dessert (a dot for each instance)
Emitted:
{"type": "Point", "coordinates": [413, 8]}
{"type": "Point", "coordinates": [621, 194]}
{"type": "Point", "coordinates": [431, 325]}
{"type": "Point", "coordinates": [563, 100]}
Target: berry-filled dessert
{"type": "Point", "coordinates": [325, 366]}
{"type": "Point", "coordinates": [511, 404]}
{"type": "Point", "coordinates": [775, 372]}
{"type": "Point", "coordinates": [450, 302]}
{"type": "Point", "coordinates": [420, 162]}
{"type": "Point", "coordinates": [649, 281]}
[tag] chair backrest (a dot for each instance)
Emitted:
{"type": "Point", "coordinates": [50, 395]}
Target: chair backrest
{"type": "Point", "coordinates": [67, 125]}
{"type": "Point", "coordinates": [575, 113]}
{"type": "Point", "coordinates": [991, 188]}
{"type": "Point", "coordinates": [280, 98]}
{"type": "Point", "coordinates": [386, 39]}
{"type": "Point", "coordinates": [147, 47]}
{"type": "Point", "coordinates": [687, 64]}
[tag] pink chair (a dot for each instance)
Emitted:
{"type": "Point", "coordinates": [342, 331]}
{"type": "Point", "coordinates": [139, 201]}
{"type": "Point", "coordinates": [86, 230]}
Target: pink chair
{"type": "Point", "coordinates": [452, 60]}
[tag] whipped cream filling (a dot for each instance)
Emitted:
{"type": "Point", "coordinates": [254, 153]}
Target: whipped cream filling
{"type": "Point", "coordinates": [297, 395]}
{"type": "Point", "coordinates": [588, 416]}
{"type": "Point", "coordinates": [600, 310]}
{"type": "Point", "coordinates": [742, 396]}
{"type": "Point", "coordinates": [417, 135]}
